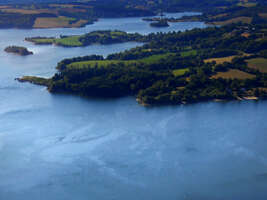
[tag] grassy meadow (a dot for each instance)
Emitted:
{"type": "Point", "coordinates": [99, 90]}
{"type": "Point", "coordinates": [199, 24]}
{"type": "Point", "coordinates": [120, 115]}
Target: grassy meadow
{"type": "Point", "coordinates": [180, 72]}
{"type": "Point", "coordinates": [105, 63]}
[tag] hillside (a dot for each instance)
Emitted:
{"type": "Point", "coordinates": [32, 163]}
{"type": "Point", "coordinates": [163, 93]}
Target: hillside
{"type": "Point", "coordinates": [225, 62]}
{"type": "Point", "coordinates": [173, 68]}
{"type": "Point", "coordinates": [66, 14]}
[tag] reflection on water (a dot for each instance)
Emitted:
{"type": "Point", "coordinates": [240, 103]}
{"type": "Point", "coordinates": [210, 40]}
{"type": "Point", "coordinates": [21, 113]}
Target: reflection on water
{"type": "Point", "coordinates": [62, 147]}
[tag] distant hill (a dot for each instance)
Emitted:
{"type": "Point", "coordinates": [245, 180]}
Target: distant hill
{"type": "Point", "coordinates": [33, 1]}
{"type": "Point", "coordinates": [166, 4]}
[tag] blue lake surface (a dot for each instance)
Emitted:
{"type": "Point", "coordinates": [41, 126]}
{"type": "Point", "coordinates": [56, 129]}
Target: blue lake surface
{"type": "Point", "coordinates": [63, 147]}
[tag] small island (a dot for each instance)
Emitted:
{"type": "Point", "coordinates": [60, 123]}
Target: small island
{"type": "Point", "coordinates": [18, 50]}
{"type": "Point", "coordinates": [160, 23]}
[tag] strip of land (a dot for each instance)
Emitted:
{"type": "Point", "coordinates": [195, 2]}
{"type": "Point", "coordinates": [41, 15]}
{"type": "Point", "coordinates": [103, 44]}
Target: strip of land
{"type": "Point", "coordinates": [172, 68]}
{"type": "Point", "coordinates": [81, 13]}
{"type": "Point", "coordinates": [226, 62]}
{"type": "Point", "coordinates": [95, 37]}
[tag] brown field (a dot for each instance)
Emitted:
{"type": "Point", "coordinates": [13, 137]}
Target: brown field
{"type": "Point", "coordinates": [62, 5]}
{"type": "Point", "coordinates": [219, 16]}
{"type": "Point", "coordinates": [52, 22]}
{"type": "Point", "coordinates": [232, 74]}
{"type": "Point", "coordinates": [69, 7]}
{"type": "Point", "coordinates": [263, 15]}
{"type": "Point", "coordinates": [220, 60]}
{"type": "Point", "coordinates": [245, 35]}
{"type": "Point", "coordinates": [27, 11]}
{"type": "Point", "coordinates": [258, 63]}
{"type": "Point", "coordinates": [79, 23]}
{"type": "Point", "coordinates": [1, 7]}
{"type": "Point", "coordinates": [263, 89]}
{"type": "Point", "coordinates": [247, 4]}
{"type": "Point", "coordinates": [57, 22]}
{"type": "Point", "coordinates": [225, 59]}
{"type": "Point", "coordinates": [71, 10]}
{"type": "Point", "coordinates": [234, 20]}
{"type": "Point", "coordinates": [38, 11]}
{"type": "Point", "coordinates": [221, 7]}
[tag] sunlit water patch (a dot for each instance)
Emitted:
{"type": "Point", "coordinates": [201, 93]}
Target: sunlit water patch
{"type": "Point", "coordinates": [62, 147]}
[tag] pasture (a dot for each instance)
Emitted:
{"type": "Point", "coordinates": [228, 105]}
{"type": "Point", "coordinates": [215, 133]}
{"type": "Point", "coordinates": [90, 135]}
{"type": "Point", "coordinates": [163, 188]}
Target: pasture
{"type": "Point", "coordinates": [180, 72]}
{"type": "Point", "coordinates": [233, 74]}
{"type": "Point", "coordinates": [105, 63]}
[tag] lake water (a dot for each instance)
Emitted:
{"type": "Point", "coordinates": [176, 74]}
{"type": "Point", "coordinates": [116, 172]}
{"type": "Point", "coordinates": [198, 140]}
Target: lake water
{"type": "Point", "coordinates": [62, 147]}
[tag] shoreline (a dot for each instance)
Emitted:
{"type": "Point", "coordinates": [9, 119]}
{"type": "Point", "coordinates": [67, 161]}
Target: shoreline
{"type": "Point", "coordinates": [45, 82]}
{"type": "Point", "coordinates": [94, 20]}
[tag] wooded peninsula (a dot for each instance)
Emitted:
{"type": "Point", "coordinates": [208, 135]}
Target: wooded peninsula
{"type": "Point", "coordinates": [225, 62]}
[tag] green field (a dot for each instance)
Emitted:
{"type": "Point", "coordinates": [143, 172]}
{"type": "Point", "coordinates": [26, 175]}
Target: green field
{"type": "Point", "coordinates": [35, 80]}
{"type": "Point", "coordinates": [189, 53]}
{"type": "Point", "coordinates": [180, 72]}
{"type": "Point", "coordinates": [68, 41]}
{"type": "Point", "coordinates": [43, 40]}
{"type": "Point", "coordinates": [104, 63]}
{"type": "Point", "coordinates": [258, 63]}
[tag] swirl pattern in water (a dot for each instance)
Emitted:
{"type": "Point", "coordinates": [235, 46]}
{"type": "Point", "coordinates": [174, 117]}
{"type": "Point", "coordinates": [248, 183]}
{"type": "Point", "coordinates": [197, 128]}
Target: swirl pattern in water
{"type": "Point", "coordinates": [62, 147]}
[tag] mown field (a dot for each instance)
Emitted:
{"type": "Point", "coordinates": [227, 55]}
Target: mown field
{"type": "Point", "coordinates": [180, 72]}
{"type": "Point", "coordinates": [43, 40]}
{"type": "Point", "coordinates": [247, 4]}
{"type": "Point", "coordinates": [62, 5]}
{"type": "Point", "coordinates": [246, 20]}
{"type": "Point", "coordinates": [57, 22]}
{"type": "Point", "coordinates": [220, 60]}
{"type": "Point", "coordinates": [27, 11]}
{"type": "Point", "coordinates": [66, 41]}
{"type": "Point", "coordinates": [105, 63]}
{"type": "Point", "coordinates": [189, 53]}
{"type": "Point", "coordinates": [263, 15]}
{"type": "Point", "coordinates": [258, 64]}
{"type": "Point", "coordinates": [233, 74]}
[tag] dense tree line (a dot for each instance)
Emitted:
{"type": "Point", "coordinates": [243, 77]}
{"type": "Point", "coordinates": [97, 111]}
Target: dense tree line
{"type": "Point", "coordinates": [155, 82]}
{"type": "Point", "coordinates": [109, 37]}
{"type": "Point", "coordinates": [154, 86]}
{"type": "Point", "coordinates": [18, 50]}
